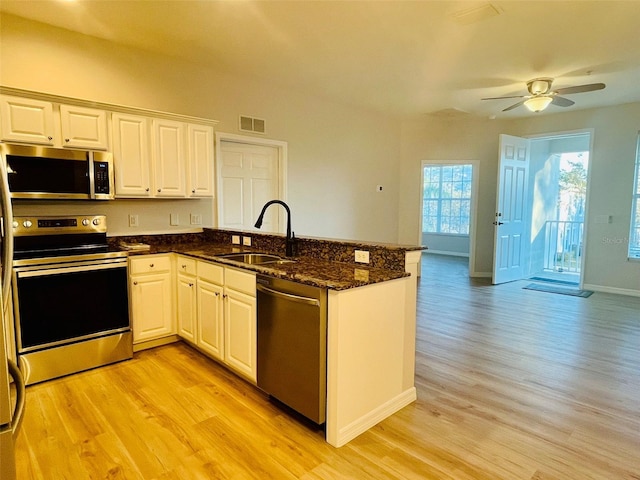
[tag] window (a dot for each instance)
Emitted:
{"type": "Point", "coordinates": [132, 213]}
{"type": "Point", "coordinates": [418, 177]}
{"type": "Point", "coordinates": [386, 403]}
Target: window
{"type": "Point", "coordinates": [634, 235]}
{"type": "Point", "coordinates": [446, 202]}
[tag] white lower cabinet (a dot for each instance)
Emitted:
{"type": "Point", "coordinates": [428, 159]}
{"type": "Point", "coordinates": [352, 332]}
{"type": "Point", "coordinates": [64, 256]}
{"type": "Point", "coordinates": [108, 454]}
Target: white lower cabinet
{"type": "Point", "coordinates": [240, 332]}
{"type": "Point", "coordinates": [186, 297]}
{"type": "Point", "coordinates": [220, 318]}
{"type": "Point", "coordinates": [210, 310]}
{"type": "Point", "coordinates": [151, 291]}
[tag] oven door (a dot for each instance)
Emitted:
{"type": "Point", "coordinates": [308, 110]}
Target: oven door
{"type": "Point", "coordinates": [70, 301]}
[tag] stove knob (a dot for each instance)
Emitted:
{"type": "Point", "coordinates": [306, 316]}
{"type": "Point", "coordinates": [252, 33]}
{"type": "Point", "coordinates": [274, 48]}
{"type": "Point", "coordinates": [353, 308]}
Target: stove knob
{"type": "Point", "coordinates": [27, 224]}
{"type": "Point", "coordinates": [85, 222]}
{"type": "Point", "coordinates": [96, 221]}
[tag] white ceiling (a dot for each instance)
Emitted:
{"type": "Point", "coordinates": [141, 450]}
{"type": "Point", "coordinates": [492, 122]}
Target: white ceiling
{"type": "Point", "coordinates": [400, 57]}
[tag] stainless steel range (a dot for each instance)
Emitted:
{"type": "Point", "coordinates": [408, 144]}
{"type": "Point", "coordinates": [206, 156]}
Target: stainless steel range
{"type": "Point", "coordinates": [70, 296]}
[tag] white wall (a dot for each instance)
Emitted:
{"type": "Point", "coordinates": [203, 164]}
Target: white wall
{"type": "Point", "coordinates": [337, 153]}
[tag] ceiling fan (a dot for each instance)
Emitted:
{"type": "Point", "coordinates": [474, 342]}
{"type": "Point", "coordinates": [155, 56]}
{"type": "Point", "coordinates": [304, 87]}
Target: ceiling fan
{"type": "Point", "coordinates": [541, 95]}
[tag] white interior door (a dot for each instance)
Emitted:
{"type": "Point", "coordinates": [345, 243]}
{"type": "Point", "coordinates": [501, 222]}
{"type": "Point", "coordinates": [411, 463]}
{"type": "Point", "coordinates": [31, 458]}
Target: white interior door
{"type": "Point", "coordinates": [511, 220]}
{"type": "Point", "coordinates": [248, 177]}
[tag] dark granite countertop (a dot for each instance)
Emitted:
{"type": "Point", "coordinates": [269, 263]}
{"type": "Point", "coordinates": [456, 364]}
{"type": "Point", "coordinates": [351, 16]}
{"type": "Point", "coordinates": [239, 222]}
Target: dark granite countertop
{"type": "Point", "coordinates": [307, 270]}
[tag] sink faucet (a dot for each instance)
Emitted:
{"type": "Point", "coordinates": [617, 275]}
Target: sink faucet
{"type": "Point", "coordinates": [291, 237]}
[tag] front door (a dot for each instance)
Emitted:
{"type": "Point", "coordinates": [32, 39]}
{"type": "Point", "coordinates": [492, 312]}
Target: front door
{"type": "Point", "coordinates": [510, 224]}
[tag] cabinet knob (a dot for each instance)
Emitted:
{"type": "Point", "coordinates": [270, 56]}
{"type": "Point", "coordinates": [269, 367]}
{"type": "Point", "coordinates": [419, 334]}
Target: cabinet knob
{"type": "Point", "coordinates": [159, 190]}
{"type": "Point", "coordinates": [135, 283]}
{"type": "Point", "coordinates": [50, 138]}
{"type": "Point", "coordinates": [146, 189]}
{"type": "Point", "coordinates": [66, 140]}
{"type": "Point", "coordinates": [191, 284]}
{"type": "Point", "coordinates": [184, 266]}
{"type": "Point", "coordinates": [193, 191]}
{"type": "Point", "coordinates": [151, 265]}
{"type": "Point", "coordinates": [217, 294]}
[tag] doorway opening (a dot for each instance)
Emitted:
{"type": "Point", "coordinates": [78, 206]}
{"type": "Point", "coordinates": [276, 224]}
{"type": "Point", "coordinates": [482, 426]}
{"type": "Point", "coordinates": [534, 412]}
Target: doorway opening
{"type": "Point", "coordinates": [559, 169]}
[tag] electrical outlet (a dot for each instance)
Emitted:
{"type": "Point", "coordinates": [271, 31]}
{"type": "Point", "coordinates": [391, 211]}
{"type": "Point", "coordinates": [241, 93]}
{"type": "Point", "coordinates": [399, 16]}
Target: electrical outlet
{"type": "Point", "coordinates": [196, 219]}
{"type": "Point", "coordinates": [133, 220]}
{"type": "Point", "coordinates": [235, 239]}
{"type": "Point", "coordinates": [173, 219]}
{"type": "Point", "coordinates": [246, 241]}
{"type": "Point", "coordinates": [362, 256]}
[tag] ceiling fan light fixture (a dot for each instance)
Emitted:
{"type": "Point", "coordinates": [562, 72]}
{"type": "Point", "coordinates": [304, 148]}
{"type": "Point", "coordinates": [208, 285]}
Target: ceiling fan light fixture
{"type": "Point", "coordinates": [537, 104]}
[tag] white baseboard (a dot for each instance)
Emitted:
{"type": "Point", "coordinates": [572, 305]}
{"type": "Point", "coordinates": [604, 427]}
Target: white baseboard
{"type": "Point", "coordinates": [444, 252]}
{"type": "Point", "coordinates": [616, 291]}
{"type": "Point", "coordinates": [372, 418]}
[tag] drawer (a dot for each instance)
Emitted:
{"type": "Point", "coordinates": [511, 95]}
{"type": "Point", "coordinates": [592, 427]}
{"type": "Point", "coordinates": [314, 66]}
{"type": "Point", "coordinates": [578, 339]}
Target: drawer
{"type": "Point", "coordinates": [149, 264]}
{"type": "Point", "coordinates": [211, 272]}
{"type": "Point", "coordinates": [186, 265]}
{"type": "Point", "coordinates": [241, 281]}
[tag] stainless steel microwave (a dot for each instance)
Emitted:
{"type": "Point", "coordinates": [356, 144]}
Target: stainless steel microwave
{"type": "Point", "coordinates": [58, 173]}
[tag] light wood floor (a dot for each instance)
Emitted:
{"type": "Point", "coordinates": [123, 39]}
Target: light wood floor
{"type": "Point", "coordinates": [512, 384]}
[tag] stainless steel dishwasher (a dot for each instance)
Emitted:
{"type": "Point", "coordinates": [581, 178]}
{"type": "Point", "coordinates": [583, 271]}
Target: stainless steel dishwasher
{"type": "Point", "coordinates": [292, 344]}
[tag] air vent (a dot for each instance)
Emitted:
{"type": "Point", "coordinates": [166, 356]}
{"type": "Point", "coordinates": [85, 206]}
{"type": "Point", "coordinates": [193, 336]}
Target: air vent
{"type": "Point", "coordinates": [252, 124]}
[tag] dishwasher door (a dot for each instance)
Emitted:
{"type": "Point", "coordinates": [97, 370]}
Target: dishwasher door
{"type": "Point", "coordinates": [292, 345]}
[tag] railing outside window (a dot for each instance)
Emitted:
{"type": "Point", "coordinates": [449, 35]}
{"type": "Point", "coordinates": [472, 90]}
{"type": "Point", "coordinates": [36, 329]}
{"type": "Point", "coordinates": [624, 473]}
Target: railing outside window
{"type": "Point", "coordinates": [563, 246]}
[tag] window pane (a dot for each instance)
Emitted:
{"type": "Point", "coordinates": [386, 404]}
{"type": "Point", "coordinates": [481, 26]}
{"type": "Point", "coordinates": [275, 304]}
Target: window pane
{"type": "Point", "coordinates": [634, 231]}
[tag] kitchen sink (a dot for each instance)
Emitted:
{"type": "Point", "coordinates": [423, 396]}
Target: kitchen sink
{"type": "Point", "coordinates": [254, 258]}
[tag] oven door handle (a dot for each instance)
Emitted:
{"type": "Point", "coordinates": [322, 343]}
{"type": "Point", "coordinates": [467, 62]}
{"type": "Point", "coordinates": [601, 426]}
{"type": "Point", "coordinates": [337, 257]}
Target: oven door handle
{"type": "Point", "coordinates": [7, 233]}
{"type": "Point", "coordinates": [68, 269]}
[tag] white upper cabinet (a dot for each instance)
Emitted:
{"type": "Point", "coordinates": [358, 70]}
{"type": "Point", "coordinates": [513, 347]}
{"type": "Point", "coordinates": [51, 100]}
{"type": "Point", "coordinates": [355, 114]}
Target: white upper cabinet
{"type": "Point", "coordinates": [83, 127]}
{"type": "Point", "coordinates": [131, 155]}
{"type": "Point", "coordinates": [26, 120]}
{"type": "Point", "coordinates": [169, 168]}
{"type": "Point", "coordinates": [176, 163]}
{"type": "Point", "coordinates": [200, 156]}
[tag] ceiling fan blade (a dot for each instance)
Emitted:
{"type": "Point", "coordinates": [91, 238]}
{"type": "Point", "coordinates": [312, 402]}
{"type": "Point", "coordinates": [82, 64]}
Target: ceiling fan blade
{"type": "Point", "coordinates": [562, 102]}
{"type": "Point", "coordinates": [500, 98]}
{"type": "Point", "coordinates": [580, 88]}
{"type": "Point", "coordinates": [515, 105]}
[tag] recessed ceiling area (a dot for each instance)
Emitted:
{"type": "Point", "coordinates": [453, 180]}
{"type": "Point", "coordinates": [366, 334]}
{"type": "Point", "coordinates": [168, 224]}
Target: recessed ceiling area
{"type": "Point", "coordinates": [406, 58]}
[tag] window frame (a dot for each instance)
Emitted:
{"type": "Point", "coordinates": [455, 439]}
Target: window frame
{"type": "Point", "coordinates": [633, 249]}
{"type": "Point", "coordinates": [470, 208]}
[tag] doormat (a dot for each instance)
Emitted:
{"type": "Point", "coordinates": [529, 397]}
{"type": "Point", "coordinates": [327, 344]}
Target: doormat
{"type": "Point", "coordinates": [550, 280]}
{"type": "Point", "coordinates": [574, 292]}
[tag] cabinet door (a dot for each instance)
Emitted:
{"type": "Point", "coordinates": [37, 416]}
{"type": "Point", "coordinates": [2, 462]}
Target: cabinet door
{"type": "Point", "coordinates": [152, 312]}
{"type": "Point", "coordinates": [210, 319]}
{"type": "Point", "coordinates": [131, 155]}
{"type": "Point", "coordinates": [83, 127]}
{"type": "Point", "coordinates": [240, 333]}
{"type": "Point", "coordinates": [187, 307]}
{"type": "Point", "coordinates": [200, 154]}
{"type": "Point", "coordinates": [26, 120]}
{"type": "Point", "coordinates": [168, 159]}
